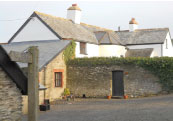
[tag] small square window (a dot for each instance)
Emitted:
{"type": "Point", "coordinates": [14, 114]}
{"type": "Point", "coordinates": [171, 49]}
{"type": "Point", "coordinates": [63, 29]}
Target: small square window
{"type": "Point", "coordinates": [58, 79]}
{"type": "Point", "coordinates": [83, 48]}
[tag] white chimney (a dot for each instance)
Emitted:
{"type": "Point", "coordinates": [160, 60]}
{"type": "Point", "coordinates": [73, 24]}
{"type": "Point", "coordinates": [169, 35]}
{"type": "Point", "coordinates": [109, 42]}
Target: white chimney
{"type": "Point", "coordinates": [133, 25]}
{"type": "Point", "coordinates": [74, 13]}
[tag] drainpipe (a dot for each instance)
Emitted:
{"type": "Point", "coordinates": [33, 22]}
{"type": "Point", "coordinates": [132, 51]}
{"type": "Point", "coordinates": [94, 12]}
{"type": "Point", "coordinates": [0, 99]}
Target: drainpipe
{"type": "Point", "coordinates": [44, 82]}
{"type": "Point", "coordinates": [161, 50]}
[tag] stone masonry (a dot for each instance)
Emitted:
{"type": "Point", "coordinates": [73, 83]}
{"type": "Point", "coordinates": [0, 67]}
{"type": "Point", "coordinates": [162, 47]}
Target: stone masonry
{"type": "Point", "coordinates": [46, 77]}
{"type": "Point", "coordinates": [10, 99]}
{"type": "Point", "coordinates": [97, 81]}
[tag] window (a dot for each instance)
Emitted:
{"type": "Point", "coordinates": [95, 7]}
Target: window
{"type": "Point", "coordinates": [58, 79]}
{"type": "Point", "coordinates": [83, 48]}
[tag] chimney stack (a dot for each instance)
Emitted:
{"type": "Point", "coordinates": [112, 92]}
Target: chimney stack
{"type": "Point", "coordinates": [119, 28]}
{"type": "Point", "coordinates": [133, 25]}
{"type": "Point", "coordinates": [74, 13]}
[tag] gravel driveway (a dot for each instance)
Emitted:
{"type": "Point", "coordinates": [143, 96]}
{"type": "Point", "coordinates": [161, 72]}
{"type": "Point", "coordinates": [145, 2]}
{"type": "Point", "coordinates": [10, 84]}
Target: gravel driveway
{"type": "Point", "coordinates": [158, 108]}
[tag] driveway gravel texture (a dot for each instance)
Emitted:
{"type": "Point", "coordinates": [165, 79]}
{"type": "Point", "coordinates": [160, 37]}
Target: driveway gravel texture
{"type": "Point", "coordinates": [158, 108]}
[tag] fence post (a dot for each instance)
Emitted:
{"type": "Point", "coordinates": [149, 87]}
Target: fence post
{"type": "Point", "coordinates": [33, 94]}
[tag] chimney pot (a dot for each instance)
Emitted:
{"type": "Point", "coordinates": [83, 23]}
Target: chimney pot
{"type": "Point", "coordinates": [119, 28]}
{"type": "Point", "coordinates": [133, 25]}
{"type": "Point", "coordinates": [74, 4]}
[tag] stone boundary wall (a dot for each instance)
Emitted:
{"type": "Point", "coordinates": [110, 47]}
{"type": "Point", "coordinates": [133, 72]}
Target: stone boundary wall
{"type": "Point", "coordinates": [97, 81]}
{"type": "Point", "coordinates": [10, 99]}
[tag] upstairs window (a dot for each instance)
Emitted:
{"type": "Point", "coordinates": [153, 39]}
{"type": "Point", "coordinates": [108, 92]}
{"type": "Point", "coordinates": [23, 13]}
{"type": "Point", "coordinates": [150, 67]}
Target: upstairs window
{"type": "Point", "coordinates": [83, 48]}
{"type": "Point", "coordinates": [58, 79]}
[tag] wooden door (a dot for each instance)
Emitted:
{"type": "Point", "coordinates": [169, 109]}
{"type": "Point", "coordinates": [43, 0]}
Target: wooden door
{"type": "Point", "coordinates": [117, 83]}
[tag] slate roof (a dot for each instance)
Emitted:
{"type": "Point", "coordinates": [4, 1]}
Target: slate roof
{"type": "Point", "coordinates": [143, 36]}
{"type": "Point", "coordinates": [48, 49]}
{"type": "Point", "coordinates": [139, 52]}
{"type": "Point", "coordinates": [103, 35]}
{"type": "Point", "coordinates": [65, 28]}
{"type": "Point", "coordinates": [107, 37]}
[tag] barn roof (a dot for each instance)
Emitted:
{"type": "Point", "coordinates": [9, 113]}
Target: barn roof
{"type": "Point", "coordinates": [48, 49]}
{"type": "Point", "coordinates": [143, 36]}
{"type": "Point", "coordinates": [139, 52]}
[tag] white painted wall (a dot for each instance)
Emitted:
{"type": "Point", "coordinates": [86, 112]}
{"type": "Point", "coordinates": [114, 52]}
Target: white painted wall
{"type": "Point", "coordinates": [133, 27]}
{"type": "Point", "coordinates": [92, 50]}
{"type": "Point", "coordinates": [74, 15]}
{"type": "Point", "coordinates": [169, 50]}
{"type": "Point", "coordinates": [33, 31]}
{"type": "Point", "coordinates": [111, 50]}
{"type": "Point", "coordinates": [101, 50]}
{"type": "Point", "coordinates": [156, 51]}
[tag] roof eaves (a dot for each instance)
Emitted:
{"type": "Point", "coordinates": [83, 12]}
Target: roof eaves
{"type": "Point", "coordinates": [144, 44]}
{"type": "Point", "coordinates": [86, 41]}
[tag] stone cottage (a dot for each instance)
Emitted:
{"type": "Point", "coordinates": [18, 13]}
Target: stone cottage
{"type": "Point", "coordinates": [52, 67]}
{"type": "Point", "coordinates": [13, 84]}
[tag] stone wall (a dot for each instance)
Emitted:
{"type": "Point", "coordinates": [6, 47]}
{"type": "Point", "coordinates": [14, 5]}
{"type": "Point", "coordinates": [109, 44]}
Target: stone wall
{"type": "Point", "coordinates": [10, 99]}
{"type": "Point", "coordinates": [97, 81]}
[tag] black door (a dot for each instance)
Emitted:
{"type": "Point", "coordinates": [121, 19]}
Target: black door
{"type": "Point", "coordinates": [117, 83]}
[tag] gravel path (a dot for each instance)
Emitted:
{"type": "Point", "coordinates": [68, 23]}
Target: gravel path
{"type": "Point", "coordinates": [158, 108]}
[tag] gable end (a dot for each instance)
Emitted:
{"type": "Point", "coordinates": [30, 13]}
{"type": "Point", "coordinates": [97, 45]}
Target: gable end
{"type": "Point", "coordinates": [27, 21]}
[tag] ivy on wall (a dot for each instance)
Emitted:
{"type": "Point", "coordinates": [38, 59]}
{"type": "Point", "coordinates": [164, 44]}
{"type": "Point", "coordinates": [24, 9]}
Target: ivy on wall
{"type": "Point", "coordinates": [162, 67]}
{"type": "Point", "coordinates": [69, 52]}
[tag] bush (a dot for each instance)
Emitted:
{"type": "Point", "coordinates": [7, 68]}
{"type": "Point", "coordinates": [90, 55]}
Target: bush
{"type": "Point", "coordinates": [66, 92]}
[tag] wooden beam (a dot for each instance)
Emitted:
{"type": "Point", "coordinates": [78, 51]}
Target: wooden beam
{"type": "Point", "coordinates": [20, 57]}
{"type": "Point", "coordinates": [13, 71]}
{"type": "Point", "coordinates": [33, 94]}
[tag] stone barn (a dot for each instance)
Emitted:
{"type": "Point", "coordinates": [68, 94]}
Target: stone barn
{"type": "Point", "coordinates": [13, 84]}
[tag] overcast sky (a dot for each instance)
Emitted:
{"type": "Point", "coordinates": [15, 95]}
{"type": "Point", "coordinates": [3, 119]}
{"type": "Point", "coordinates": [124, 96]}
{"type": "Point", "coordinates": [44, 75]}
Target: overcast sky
{"type": "Point", "coordinates": [108, 14]}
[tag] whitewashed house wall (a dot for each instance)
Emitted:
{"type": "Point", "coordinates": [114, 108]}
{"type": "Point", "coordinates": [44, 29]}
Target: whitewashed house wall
{"type": "Point", "coordinates": [92, 50]}
{"type": "Point", "coordinates": [111, 50]}
{"type": "Point", "coordinates": [167, 49]}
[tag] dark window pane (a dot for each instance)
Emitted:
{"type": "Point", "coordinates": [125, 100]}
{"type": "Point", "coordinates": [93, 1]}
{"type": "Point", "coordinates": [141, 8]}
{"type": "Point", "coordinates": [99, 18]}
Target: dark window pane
{"type": "Point", "coordinates": [82, 48]}
{"type": "Point", "coordinates": [58, 79]}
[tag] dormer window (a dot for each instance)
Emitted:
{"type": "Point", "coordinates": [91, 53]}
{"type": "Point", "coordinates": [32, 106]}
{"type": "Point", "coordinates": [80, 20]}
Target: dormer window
{"type": "Point", "coordinates": [83, 48]}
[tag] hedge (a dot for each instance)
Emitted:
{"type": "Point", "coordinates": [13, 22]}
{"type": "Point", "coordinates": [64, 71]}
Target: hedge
{"type": "Point", "coordinates": [162, 67]}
